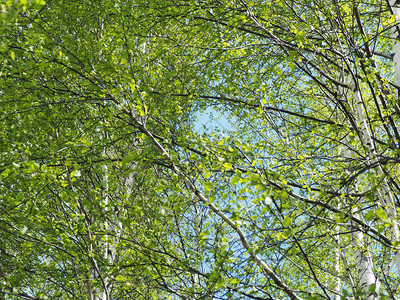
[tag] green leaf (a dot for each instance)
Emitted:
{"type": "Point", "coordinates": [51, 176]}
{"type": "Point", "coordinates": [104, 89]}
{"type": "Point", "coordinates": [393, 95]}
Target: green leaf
{"type": "Point", "coordinates": [283, 195]}
{"type": "Point", "coordinates": [372, 288]}
{"type": "Point", "coordinates": [40, 3]}
{"type": "Point", "coordinates": [381, 214]}
{"type": "Point", "coordinates": [208, 185]}
{"type": "Point", "coordinates": [370, 215]}
{"type": "Point", "coordinates": [120, 278]}
{"type": "Point", "coordinates": [127, 159]}
{"type": "Point", "coordinates": [227, 166]}
{"type": "Point", "coordinates": [287, 221]}
{"type": "Point", "coordinates": [235, 180]}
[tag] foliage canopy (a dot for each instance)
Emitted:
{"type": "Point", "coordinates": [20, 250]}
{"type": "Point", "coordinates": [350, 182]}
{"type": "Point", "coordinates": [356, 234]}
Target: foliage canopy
{"type": "Point", "coordinates": [108, 191]}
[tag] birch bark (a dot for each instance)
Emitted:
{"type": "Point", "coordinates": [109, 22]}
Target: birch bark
{"type": "Point", "coordinates": [363, 259]}
{"type": "Point", "coordinates": [395, 7]}
{"type": "Point", "coordinates": [384, 193]}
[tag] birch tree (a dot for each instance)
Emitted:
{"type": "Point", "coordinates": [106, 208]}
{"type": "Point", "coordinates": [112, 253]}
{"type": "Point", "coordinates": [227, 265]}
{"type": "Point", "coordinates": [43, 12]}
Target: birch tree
{"type": "Point", "coordinates": [296, 199]}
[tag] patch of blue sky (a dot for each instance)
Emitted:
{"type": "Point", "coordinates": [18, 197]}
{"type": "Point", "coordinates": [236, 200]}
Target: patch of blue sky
{"type": "Point", "coordinates": [210, 120]}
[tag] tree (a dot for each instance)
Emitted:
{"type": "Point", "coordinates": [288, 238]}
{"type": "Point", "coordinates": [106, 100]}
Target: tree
{"type": "Point", "coordinates": [109, 191]}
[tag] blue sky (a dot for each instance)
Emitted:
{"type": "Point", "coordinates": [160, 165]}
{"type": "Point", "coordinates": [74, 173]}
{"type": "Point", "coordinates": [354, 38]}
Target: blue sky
{"type": "Point", "coordinates": [211, 120]}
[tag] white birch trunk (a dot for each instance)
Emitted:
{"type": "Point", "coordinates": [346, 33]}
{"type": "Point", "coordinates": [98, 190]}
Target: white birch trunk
{"type": "Point", "coordinates": [362, 257]}
{"type": "Point", "coordinates": [384, 193]}
{"type": "Point", "coordinates": [338, 257]}
{"type": "Point", "coordinates": [363, 260]}
{"type": "Point", "coordinates": [395, 5]}
{"type": "Point", "coordinates": [338, 286]}
{"type": "Point", "coordinates": [103, 294]}
{"type": "Point", "coordinates": [365, 268]}
{"type": "Point", "coordinates": [195, 277]}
